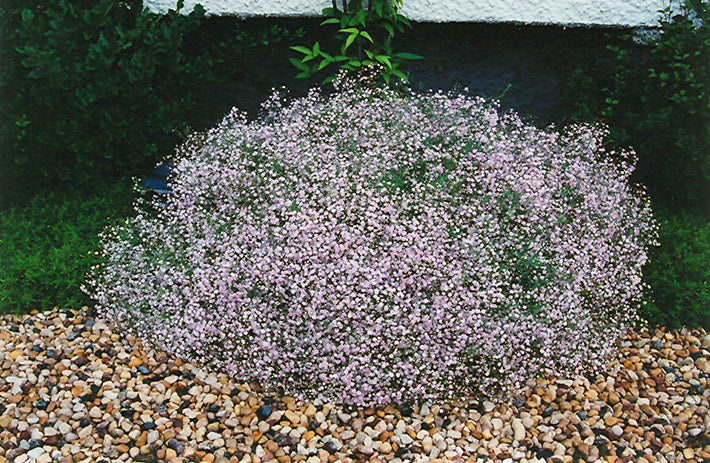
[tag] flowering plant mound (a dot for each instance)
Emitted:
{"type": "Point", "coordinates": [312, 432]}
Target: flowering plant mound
{"type": "Point", "coordinates": [369, 247]}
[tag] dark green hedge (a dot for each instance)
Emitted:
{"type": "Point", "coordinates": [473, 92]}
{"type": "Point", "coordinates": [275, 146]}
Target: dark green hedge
{"type": "Point", "coordinates": [655, 97]}
{"type": "Point", "coordinates": [96, 90]}
{"type": "Point", "coordinates": [92, 89]}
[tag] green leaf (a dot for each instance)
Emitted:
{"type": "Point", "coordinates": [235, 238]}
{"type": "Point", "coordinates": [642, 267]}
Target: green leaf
{"type": "Point", "coordinates": [367, 36]}
{"type": "Point", "coordinates": [299, 64]}
{"type": "Point", "coordinates": [350, 30]}
{"type": "Point", "coordinates": [378, 9]}
{"type": "Point", "coordinates": [362, 17]}
{"type": "Point", "coordinates": [199, 10]}
{"type": "Point", "coordinates": [22, 122]}
{"type": "Point", "coordinates": [330, 21]}
{"type": "Point", "coordinates": [403, 19]}
{"type": "Point", "coordinates": [326, 56]}
{"type": "Point", "coordinates": [400, 74]}
{"type": "Point", "coordinates": [351, 38]}
{"type": "Point", "coordinates": [408, 56]}
{"type": "Point", "coordinates": [316, 48]}
{"type": "Point", "coordinates": [302, 49]}
{"type": "Point", "coordinates": [384, 59]}
{"type": "Point", "coordinates": [27, 15]}
{"type": "Point", "coordinates": [322, 64]}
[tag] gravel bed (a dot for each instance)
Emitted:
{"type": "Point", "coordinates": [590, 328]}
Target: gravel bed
{"type": "Point", "coordinates": [72, 390]}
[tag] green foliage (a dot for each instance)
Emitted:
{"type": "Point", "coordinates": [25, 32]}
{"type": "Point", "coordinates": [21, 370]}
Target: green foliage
{"type": "Point", "coordinates": [48, 246]}
{"type": "Point", "coordinates": [92, 89]}
{"type": "Point", "coordinates": [658, 101]}
{"type": "Point", "coordinates": [365, 34]}
{"type": "Point", "coordinates": [679, 272]}
{"type": "Point", "coordinates": [656, 98]}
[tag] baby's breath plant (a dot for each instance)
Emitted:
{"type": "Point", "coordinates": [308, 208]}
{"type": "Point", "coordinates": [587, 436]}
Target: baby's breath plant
{"type": "Point", "coordinates": [371, 247]}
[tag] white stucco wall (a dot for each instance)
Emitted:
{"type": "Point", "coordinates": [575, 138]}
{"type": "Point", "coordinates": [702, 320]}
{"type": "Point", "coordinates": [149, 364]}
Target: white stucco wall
{"type": "Point", "coordinates": [564, 12]}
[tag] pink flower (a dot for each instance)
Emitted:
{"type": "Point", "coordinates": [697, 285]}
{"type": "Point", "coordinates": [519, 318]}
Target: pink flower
{"type": "Point", "coordinates": [367, 247]}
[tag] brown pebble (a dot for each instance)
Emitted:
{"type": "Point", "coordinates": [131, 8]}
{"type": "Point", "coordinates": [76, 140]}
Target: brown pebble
{"type": "Point", "coordinates": [610, 420]}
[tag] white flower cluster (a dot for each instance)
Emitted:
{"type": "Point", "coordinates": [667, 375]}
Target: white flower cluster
{"type": "Point", "coordinates": [368, 247]}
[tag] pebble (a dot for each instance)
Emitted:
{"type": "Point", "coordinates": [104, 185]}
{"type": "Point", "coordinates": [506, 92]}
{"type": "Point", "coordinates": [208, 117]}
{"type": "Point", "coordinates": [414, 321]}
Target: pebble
{"type": "Point", "coordinates": [95, 413]}
{"type": "Point", "coordinates": [90, 394]}
{"type": "Point", "coordinates": [153, 436]}
{"type": "Point", "coordinates": [518, 430]}
{"type": "Point", "coordinates": [36, 453]}
{"type": "Point", "coordinates": [175, 445]}
{"type": "Point", "coordinates": [487, 406]}
{"type": "Point", "coordinates": [264, 412]}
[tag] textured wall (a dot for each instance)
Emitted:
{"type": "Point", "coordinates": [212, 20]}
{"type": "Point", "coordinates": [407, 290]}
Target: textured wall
{"type": "Point", "coordinates": [565, 12]}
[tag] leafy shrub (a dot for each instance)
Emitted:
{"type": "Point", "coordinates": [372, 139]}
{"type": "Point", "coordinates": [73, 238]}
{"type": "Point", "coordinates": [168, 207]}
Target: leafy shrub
{"type": "Point", "coordinates": [657, 99]}
{"type": "Point", "coordinates": [48, 246]}
{"type": "Point", "coordinates": [365, 33]}
{"type": "Point", "coordinates": [369, 247]}
{"type": "Point", "coordinates": [93, 89]}
{"type": "Point", "coordinates": [678, 272]}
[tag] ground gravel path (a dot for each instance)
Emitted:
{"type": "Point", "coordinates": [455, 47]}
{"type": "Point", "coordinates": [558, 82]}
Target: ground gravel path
{"type": "Point", "coordinates": [72, 390]}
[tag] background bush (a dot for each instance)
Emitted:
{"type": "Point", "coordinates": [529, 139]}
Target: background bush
{"type": "Point", "coordinates": [655, 96]}
{"type": "Point", "coordinates": [97, 90]}
{"type": "Point", "coordinates": [91, 94]}
{"type": "Point", "coordinates": [678, 272]}
{"type": "Point", "coordinates": [370, 247]}
{"type": "Point", "coordinates": [48, 245]}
